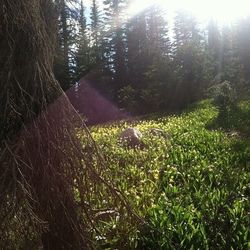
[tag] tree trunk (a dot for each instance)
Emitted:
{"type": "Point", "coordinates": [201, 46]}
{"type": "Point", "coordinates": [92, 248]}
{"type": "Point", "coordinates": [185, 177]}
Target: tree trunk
{"type": "Point", "coordinates": [39, 154]}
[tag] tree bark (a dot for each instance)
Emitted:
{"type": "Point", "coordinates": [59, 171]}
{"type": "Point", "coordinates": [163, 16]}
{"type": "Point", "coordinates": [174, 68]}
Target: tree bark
{"type": "Point", "coordinates": [39, 158]}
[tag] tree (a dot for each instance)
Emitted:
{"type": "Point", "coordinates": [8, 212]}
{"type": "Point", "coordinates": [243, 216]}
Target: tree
{"type": "Point", "coordinates": [188, 58]}
{"type": "Point", "coordinates": [115, 52]}
{"type": "Point", "coordinates": [96, 32]}
{"type": "Point", "coordinates": [82, 53]}
{"type": "Point", "coordinates": [32, 188]}
{"type": "Point", "coordinates": [243, 38]}
{"type": "Point", "coordinates": [64, 61]}
{"type": "Point", "coordinates": [137, 52]}
{"type": "Point", "coordinates": [158, 77]}
{"type": "Point", "coordinates": [231, 68]}
{"type": "Point", "coordinates": [45, 175]}
{"type": "Point", "coordinates": [158, 39]}
{"type": "Point", "coordinates": [214, 41]}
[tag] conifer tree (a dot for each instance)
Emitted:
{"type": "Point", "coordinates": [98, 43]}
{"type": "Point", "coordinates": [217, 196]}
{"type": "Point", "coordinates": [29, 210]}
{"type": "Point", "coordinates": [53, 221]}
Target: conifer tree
{"type": "Point", "coordinates": [64, 60]}
{"type": "Point", "coordinates": [158, 38]}
{"type": "Point", "coordinates": [137, 52]}
{"type": "Point", "coordinates": [214, 42]}
{"type": "Point", "coordinates": [188, 57]}
{"type": "Point", "coordinates": [243, 39]}
{"type": "Point", "coordinates": [96, 23]}
{"type": "Point", "coordinates": [115, 38]}
{"type": "Point", "coordinates": [231, 66]}
{"type": "Point", "coordinates": [82, 53]}
{"type": "Point", "coordinates": [158, 75]}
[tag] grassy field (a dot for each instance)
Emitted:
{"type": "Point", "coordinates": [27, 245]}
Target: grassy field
{"type": "Point", "coordinates": [191, 186]}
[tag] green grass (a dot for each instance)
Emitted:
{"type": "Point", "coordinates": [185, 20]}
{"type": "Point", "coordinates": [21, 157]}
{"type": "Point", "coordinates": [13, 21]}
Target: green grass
{"type": "Point", "coordinates": [192, 189]}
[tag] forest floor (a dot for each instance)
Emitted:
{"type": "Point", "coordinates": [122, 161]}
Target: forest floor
{"type": "Point", "coordinates": [191, 186]}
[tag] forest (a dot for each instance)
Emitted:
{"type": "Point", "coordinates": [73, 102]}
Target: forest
{"type": "Point", "coordinates": [124, 125]}
{"type": "Point", "coordinates": [142, 63]}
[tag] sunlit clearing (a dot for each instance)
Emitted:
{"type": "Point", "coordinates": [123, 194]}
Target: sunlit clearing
{"type": "Point", "coordinates": [224, 11]}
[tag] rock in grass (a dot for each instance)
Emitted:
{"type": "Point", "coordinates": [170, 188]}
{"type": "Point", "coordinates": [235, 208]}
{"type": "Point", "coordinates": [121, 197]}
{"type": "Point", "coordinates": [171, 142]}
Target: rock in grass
{"type": "Point", "coordinates": [131, 138]}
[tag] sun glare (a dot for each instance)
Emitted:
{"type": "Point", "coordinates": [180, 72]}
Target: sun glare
{"type": "Point", "coordinates": [224, 11]}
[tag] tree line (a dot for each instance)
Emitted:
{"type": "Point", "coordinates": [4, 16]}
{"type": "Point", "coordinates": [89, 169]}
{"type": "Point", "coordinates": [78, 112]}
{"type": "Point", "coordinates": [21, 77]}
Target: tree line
{"type": "Point", "coordinates": [144, 64]}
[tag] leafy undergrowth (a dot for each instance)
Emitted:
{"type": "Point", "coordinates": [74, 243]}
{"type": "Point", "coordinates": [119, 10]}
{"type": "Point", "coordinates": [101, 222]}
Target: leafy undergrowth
{"type": "Point", "coordinates": [191, 186]}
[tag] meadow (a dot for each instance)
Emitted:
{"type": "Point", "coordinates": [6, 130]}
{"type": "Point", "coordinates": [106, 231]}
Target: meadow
{"type": "Point", "coordinates": [190, 185]}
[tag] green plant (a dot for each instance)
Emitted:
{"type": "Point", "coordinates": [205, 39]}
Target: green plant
{"type": "Point", "coordinates": [225, 98]}
{"type": "Point", "coordinates": [191, 189]}
{"type": "Point", "coordinates": [127, 98]}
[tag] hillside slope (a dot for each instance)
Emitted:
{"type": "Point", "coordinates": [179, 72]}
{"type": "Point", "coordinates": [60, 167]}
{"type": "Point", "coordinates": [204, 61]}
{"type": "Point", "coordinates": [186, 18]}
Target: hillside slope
{"type": "Point", "coordinates": [191, 186]}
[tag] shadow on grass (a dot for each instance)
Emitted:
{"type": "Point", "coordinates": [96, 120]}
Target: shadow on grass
{"type": "Point", "coordinates": [236, 121]}
{"type": "Point", "coordinates": [175, 111]}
